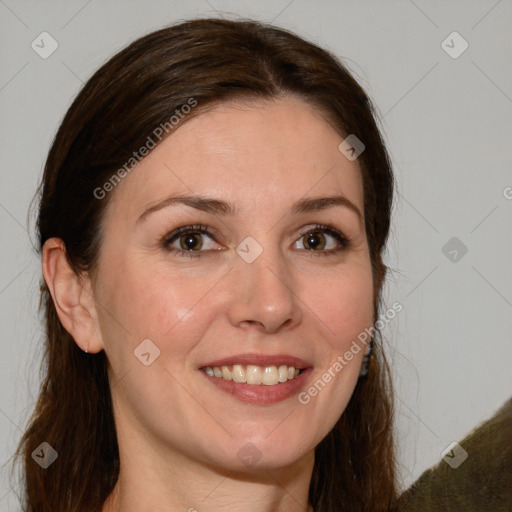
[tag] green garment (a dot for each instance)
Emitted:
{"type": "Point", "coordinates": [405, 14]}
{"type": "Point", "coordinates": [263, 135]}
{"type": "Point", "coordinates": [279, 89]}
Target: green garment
{"type": "Point", "coordinates": [481, 483]}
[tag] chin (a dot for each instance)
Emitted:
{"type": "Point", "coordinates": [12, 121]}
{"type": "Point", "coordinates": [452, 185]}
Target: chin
{"type": "Point", "coordinates": [254, 454]}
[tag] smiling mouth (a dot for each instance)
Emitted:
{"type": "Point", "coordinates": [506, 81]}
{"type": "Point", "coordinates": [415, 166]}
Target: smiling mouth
{"type": "Point", "coordinates": [254, 375]}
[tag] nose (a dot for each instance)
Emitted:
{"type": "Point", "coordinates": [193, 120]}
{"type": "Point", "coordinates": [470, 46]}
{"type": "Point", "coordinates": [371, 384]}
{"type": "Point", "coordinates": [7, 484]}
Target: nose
{"type": "Point", "coordinates": [263, 294]}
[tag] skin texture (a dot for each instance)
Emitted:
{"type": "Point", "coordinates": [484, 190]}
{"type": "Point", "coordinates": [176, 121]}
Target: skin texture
{"type": "Point", "coordinates": [179, 435]}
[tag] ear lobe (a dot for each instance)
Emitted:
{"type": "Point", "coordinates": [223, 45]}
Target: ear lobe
{"type": "Point", "coordinates": [72, 296]}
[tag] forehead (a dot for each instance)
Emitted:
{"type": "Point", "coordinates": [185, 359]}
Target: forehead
{"type": "Point", "coordinates": [249, 153]}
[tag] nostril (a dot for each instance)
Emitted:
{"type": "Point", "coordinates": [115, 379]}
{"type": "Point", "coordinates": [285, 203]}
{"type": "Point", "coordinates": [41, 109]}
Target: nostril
{"type": "Point", "coordinates": [249, 323]}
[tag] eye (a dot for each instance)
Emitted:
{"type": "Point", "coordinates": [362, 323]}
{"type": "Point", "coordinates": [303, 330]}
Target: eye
{"type": "Point", "coordinates": [187, 240]}
{"type": "Point", "coordinates": [191, 241]}
{"type": "Point", "coordinates": [323, 239]}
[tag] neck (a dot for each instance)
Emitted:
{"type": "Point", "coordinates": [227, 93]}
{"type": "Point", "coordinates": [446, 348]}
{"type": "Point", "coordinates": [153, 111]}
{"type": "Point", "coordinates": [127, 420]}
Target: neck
{"type": "Point", "coordinates": [199, 488]}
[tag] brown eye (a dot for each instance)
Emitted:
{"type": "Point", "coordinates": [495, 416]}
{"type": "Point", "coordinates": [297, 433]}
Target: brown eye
{"type": "Point", "coordinates": [321, 240]}
{"type": "Point", "coordinates": [314, 240]}
{"type": "Point", "coordinates": [191, 242]}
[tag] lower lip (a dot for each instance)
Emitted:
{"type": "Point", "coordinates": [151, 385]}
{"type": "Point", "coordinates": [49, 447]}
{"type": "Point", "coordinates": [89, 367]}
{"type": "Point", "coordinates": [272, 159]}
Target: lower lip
{"type": "Point", "coordinates": [261, 394]}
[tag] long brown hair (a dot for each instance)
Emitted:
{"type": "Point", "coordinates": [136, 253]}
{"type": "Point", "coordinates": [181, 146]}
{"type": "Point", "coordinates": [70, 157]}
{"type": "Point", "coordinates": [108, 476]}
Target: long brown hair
{"type": "Point", "coordinates": [136, 91]}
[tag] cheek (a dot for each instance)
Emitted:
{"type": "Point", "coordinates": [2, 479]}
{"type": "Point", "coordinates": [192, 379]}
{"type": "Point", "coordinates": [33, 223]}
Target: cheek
{"type": "Point", "coordinates": [341, 309]}
{"type": "Point", "coordinates": [145, 301]}
{"type": "Point", "coordinates": [343, 303]}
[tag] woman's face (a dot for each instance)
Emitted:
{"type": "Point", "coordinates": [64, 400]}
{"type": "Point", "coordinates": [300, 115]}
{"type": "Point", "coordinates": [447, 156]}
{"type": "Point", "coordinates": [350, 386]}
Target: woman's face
{"type": "Point", "coordinates": [262, 287]}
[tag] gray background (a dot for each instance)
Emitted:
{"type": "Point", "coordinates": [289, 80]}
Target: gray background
{"type": "Point", "coordinates": [448, 123]}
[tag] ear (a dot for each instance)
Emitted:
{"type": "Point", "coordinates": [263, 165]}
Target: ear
{"type": "Point", "coordinates": [72, 295]}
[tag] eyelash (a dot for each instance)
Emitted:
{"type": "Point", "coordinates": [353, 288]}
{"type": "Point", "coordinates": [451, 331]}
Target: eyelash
{"type": "Point", "coordinates": [343, 241]}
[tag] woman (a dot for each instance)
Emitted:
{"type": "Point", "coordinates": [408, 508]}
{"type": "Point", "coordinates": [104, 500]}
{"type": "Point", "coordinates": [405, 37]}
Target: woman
{"type": "Point", "coordinates": [212, 218]}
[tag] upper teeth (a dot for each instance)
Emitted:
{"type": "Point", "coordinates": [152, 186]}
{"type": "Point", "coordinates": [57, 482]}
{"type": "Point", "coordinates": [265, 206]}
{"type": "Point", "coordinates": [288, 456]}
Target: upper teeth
{"type": "Point", "coordinates": [255, 375]}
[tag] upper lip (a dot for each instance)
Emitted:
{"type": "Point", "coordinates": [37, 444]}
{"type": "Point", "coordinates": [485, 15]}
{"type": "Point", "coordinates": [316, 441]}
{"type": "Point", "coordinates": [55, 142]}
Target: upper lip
{"type": "Point", "coordinates": [260, 360]}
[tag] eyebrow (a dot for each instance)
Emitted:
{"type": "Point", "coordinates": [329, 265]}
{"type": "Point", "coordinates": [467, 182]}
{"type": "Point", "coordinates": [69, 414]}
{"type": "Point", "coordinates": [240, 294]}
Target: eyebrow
{"type": "Point", "coordinates": [219, 207]}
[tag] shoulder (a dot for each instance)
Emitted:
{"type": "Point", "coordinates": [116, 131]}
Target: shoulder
{"type": "Point", "coordinates": [483, 481]}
